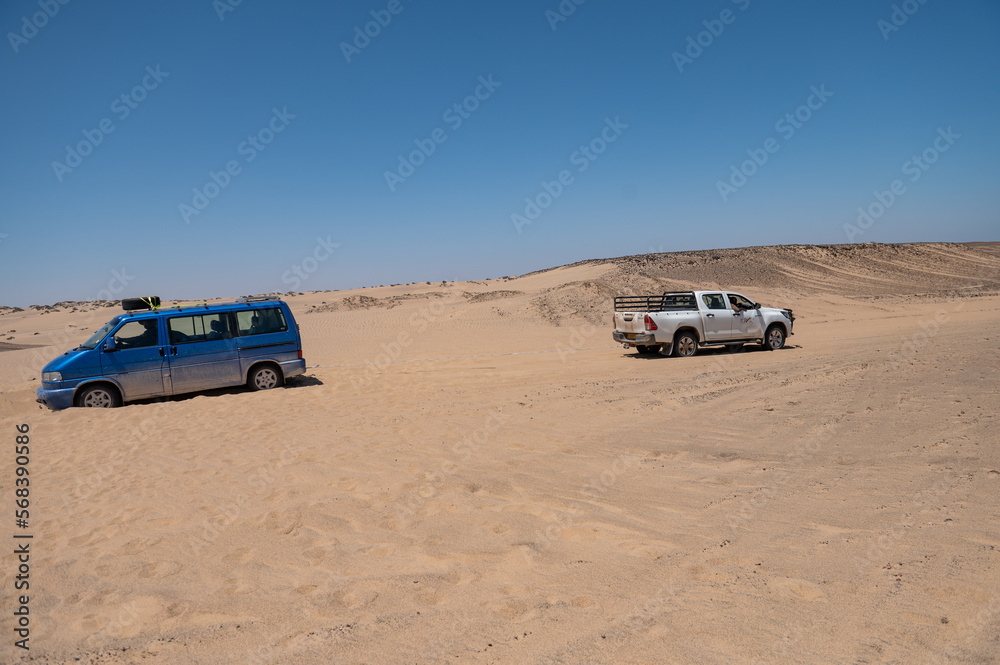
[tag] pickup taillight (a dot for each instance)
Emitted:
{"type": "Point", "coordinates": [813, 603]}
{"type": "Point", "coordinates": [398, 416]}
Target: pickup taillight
{"type": "Point", "coordinates": [650, 325]}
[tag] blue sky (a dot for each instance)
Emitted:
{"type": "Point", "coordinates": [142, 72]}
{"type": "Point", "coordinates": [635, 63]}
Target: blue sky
{"type": "Point", "coordinates": [663, 124]}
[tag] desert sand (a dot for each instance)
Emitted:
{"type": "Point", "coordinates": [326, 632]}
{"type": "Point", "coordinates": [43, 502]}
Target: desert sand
{"type": "Point", "coordinates": [473, 472]}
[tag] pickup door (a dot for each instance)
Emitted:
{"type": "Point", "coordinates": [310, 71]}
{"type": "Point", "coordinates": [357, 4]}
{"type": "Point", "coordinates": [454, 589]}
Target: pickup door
{"type": "Point", "coordinates": [716, 316]}
{"type": "Point", "coordinates": [748, 324]}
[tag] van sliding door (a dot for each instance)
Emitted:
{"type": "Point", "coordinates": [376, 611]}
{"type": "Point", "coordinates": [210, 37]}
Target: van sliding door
{"type": "Point", "coordinates": [202, 352]}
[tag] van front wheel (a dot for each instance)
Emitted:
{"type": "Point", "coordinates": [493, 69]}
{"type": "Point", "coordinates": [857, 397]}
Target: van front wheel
{"type": "Point", "coordinates": [265, 377]}
{"type": "Point", "coordinates": [99, 397]}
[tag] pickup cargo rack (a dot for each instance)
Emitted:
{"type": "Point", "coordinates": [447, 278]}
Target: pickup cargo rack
{"type": "Point", "coordinates": [667, 302]}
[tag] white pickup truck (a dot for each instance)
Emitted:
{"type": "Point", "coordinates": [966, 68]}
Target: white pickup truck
{"type": "Point", "coordinates": [678, 323]}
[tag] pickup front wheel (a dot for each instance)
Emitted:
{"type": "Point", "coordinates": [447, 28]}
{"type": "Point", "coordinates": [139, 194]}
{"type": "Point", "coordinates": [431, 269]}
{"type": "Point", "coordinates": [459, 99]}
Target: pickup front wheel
{"type": "Point", "coordinates": [774, 339]}
{"type": "Point", "coordinates": [685, 345]}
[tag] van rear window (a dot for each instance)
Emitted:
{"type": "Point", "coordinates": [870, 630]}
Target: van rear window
{"type": "Point", "coordinates": [199, 328]}
{"type": "Point", "coordinates": [261, 321]}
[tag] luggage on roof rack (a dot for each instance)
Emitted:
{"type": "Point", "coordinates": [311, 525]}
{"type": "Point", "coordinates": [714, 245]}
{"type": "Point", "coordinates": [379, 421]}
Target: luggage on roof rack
{"type": "Point", "coordinates": [149, 302]}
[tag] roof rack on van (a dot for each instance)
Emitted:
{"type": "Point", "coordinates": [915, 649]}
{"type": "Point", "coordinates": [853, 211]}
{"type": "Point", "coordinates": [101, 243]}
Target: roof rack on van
{"type": "Point", "coordinates": [180, 307]}
{"type": "Point", "coordinates": [257, 299]}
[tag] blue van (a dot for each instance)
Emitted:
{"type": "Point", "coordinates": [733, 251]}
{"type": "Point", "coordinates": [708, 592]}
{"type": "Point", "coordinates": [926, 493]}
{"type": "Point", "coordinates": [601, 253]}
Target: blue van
{"type": "Point", "coordinates": [152, 352]}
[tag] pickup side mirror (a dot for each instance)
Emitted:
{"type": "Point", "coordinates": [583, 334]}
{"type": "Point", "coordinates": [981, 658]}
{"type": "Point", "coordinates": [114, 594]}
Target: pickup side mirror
{"type": "Point", "coordinates": [756, 305]}
{"type": "Point", "coordinates": [110, 345]}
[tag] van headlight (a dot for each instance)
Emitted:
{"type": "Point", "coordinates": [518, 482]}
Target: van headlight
{"type": "Point", "coordinates": [51, 377]}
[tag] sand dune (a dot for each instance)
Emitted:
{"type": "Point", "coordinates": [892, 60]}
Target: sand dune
{"type": "Point", "coordinates": [475, 473]}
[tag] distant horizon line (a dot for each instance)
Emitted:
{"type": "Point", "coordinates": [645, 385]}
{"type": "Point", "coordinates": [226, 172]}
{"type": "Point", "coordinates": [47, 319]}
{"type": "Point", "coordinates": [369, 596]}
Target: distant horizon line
{"type": "Point", "coordinates": [67, 303]}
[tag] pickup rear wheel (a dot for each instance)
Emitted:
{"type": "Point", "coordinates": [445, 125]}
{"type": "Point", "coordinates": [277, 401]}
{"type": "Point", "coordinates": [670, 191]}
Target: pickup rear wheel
{"type": "Point", "coordinates": [685, 345]}
{"type": "Point", "coordinates": [774, 338]}
{"type": "Point", "coordinates": [647, 350]}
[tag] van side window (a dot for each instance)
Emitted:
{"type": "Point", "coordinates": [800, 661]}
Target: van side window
{"type": "Point", "coordinates": [261, 321]}
{"type": "Point", "coordinates": [199, 328]}
{"type": "Point", "coordinates": [714, 301]}
{"type": "Point", "coordinates": [138, 334]}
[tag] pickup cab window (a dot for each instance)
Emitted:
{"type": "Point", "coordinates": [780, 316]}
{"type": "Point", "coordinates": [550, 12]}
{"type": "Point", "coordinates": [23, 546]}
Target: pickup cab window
{"type": "Point", "coordinates": [714, 301]}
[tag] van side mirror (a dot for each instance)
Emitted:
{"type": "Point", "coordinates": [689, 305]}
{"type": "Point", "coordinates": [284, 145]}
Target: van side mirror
{"type": "Point", "coordinates": [110, 345]}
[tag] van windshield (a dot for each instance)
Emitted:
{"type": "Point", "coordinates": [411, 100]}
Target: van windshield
{"type": "Point", "coordinates": [96, 338]}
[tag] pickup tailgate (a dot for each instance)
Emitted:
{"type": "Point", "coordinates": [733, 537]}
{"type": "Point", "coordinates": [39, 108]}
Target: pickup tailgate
{"type": "Point", "coordinates": [630, 322]}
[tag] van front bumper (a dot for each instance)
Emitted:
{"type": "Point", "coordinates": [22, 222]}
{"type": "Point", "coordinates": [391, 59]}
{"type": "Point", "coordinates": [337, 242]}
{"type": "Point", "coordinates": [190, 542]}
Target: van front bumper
{"type": "Point", "coordinates": [637, 338]}
{"type": "Point", "coordinates": [55, 399]}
